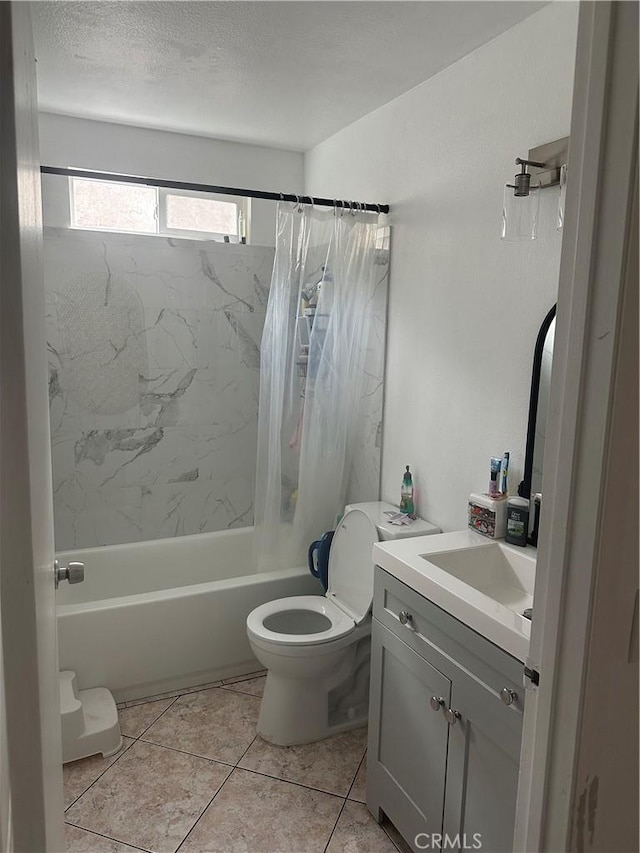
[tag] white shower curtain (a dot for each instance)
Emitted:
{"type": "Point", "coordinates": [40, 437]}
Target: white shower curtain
{"type": "Point", "coordinates": [312, 375]}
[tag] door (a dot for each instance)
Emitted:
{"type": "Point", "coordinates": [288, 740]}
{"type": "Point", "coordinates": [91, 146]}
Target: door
{"type": "Point", "coordinates": [27, 606]}
{"type": "Point", "coordinates": [584, 572]}
{"type": "Point", "coordinates": [483, 766]}
{"type": "Point", "coordinates": [407, 758]}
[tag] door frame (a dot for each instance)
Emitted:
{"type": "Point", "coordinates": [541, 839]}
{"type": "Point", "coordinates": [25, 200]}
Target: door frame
{"type": "Point", "coordinates": [593, 272]}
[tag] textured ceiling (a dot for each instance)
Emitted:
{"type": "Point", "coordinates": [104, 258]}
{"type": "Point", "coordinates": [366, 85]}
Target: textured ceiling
{"type": "Point", "coordinates": [283, 74]}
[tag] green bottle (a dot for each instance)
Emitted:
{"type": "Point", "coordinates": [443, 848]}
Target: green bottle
{"type": "Point", "coordinates": [406, 494]}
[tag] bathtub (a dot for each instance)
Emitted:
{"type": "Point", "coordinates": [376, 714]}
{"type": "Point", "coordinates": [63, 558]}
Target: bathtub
{"type": "Point", "coordinates": [157, 616]}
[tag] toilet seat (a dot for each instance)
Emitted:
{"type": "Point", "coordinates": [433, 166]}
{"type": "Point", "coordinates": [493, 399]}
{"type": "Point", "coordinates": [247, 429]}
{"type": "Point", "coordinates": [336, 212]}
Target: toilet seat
{"type": "Point", "coordinates": [306, 621]}
{"type": "Point", "coordinates": [339, 623]}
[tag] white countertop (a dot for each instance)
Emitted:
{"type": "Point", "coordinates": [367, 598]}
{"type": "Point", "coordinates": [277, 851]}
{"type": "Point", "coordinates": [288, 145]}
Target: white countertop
{"type": "Point", "coordinates": [408, 561]}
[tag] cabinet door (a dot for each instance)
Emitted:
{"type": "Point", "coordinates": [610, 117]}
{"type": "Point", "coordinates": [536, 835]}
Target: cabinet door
{"type": "Point", "coordinates": [482, 771]}
{"type": "Point", "coordinates": [406, 764]}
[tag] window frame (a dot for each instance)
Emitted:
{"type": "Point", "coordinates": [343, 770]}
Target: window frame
{"type": "Point", "coordinates": [242, 204]}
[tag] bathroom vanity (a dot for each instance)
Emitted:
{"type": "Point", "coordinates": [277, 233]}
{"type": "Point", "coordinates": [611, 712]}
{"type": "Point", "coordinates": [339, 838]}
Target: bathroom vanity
{"type": "Point", "coordinates": [447, 696]}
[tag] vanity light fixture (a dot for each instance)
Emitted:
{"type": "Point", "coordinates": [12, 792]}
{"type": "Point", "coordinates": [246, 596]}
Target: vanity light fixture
{"type": "Point", "coordinates": [545, 166]}
{"type": "Point", "coordinates": [522, 186]}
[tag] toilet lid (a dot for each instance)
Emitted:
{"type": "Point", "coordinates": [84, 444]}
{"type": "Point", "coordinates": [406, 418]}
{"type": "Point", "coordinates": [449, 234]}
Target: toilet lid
{"type": "Point", "coordinates": [351, 564]}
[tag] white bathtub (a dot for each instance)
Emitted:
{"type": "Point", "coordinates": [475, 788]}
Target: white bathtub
{"type": "Point", "coordinates": [162, 615]}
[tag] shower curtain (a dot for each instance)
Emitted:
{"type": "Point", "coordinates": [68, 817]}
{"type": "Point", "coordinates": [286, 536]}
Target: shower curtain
{"type": "Point", "coordinates": [312, 377]}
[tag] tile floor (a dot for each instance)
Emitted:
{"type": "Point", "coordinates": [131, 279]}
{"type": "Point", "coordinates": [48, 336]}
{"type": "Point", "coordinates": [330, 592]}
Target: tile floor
{"type": "Point", "coordinates": [193, 776]}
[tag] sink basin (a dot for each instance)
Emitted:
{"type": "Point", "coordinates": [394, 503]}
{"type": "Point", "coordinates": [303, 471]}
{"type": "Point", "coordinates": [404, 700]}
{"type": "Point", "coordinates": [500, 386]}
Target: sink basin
{"type": "Point", "coordinates": [498, 572]}
{"type": "Point", "coordinates": [486, 585]}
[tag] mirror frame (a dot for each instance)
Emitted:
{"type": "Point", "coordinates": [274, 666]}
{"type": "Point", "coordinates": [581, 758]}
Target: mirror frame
{"type": "Point", "coordinates": [524, 489]}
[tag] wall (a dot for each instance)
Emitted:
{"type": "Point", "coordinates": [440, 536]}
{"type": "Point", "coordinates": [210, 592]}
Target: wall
{"type": "Point", "coordinates": [465, 307]}
{"type": "Point", "coordinates": [154, 360]}
{"type": "Point", "coordinates": [118, 148]}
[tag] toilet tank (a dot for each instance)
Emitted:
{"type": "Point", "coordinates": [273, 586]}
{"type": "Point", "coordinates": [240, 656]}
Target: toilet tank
{"type": "Point", "coordinates": [386, 531]}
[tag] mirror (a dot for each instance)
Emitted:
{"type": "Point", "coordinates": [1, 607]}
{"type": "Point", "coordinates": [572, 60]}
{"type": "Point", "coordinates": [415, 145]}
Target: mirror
{"type": "Point", "coordinates": [538, 407]}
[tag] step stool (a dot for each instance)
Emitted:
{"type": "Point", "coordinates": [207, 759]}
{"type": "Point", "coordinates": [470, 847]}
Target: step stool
{"type": "Point", "coordinates": [89, 720]}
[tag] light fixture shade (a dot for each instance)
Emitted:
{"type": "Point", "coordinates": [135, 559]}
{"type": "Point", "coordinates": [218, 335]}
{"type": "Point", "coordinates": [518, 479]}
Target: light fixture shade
{"type": "Point", "coordinates": [563, 195]}
{"type": "Point", "coordinates": [520, 215]}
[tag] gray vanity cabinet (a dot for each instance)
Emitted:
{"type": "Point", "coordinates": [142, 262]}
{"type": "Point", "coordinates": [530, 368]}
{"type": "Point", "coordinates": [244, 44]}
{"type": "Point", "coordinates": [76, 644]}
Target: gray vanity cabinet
{"type": "Point", "coordinates": [483, 766]}
{"type": "Point", "coordinates": [445, 724]}
{"type": "Point", "coordinates": [411, 740]}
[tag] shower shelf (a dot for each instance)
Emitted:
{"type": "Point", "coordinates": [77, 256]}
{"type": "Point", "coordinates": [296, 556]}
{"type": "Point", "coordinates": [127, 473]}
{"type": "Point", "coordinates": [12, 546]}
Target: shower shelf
{"type": "Point", "coordinates": [304, 330]}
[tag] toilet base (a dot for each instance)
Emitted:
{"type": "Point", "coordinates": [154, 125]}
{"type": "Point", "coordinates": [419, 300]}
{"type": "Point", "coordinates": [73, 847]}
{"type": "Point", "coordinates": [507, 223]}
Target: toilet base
{"type": "Point", "coordinates": [293, 711]}
{"type": "Point", "coordinates": [297, 708]}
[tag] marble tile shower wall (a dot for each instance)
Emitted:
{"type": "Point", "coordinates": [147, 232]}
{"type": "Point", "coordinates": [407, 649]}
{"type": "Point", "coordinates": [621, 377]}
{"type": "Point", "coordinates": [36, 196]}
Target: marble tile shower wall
{"type": "Point", "coordinates": [154, 357]}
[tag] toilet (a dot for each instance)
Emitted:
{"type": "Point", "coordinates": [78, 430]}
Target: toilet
{"type": "Point", "coordinates": [316, 648]}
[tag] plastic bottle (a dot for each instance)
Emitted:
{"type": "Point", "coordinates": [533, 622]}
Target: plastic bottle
{"type": "Point", "coordinates": [406, 494]}
{"type": "Point", "coordinates": [517, 521]}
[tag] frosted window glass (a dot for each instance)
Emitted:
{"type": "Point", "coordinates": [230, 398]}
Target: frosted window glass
{"type": "Point", "coordinates": [202, 214]}
{"type": "Point", "coordinates": [119, 207]}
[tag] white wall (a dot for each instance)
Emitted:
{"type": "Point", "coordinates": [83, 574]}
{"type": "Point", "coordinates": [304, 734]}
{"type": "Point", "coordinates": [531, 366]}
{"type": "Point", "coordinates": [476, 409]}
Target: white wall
{"type": "Point", "coordinates": [464, 306]}
{"type": "Point", "coordinates": [119, 148]}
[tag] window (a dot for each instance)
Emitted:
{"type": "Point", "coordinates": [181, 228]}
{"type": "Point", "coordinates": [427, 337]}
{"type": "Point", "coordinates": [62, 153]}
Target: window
{"type": "Point", "coordinates": [185, 213]}
{"type": "Point", "coordinates": [106, 206]}
{"type": "Point", "coordinates": [139, 209]}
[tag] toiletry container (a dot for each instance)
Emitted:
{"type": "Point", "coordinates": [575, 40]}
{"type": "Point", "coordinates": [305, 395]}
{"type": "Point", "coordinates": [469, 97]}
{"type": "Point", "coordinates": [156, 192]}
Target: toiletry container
{"type": "Point", "coordinates": [537, 505]}
{"type": "Point", "coordinates": [407, 504]}
{"type": "Point", "coordinates": [488, 515]}
{"type": "Point", "coordinates": [494, 485]}
{"type": "Point", "coordinates": [517, 521]}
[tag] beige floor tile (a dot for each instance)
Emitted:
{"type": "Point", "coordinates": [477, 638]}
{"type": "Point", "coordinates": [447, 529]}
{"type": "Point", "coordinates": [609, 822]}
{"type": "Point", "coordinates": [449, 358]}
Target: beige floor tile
{"type": "Point", "coordinates": [357, 832]}
{"type": "Point", "coordinates": [255, 814]}
{"type": "Point", "coordinates": [253, 686]}
{"type": "Point", "coordinates": [151, 798]}
{"type": "Point", "coordinates": [358, 790]}
{"type": "Point", "coordinates": [329, 765]}
{"type": "Point", "coordinates": [218, 724]}
{"type": "Point", "coordinates": [81, 841]}
{"type": "Point", "coordinates": [137, 719]}
{"type": "Point", "coordinates": [78, 775]}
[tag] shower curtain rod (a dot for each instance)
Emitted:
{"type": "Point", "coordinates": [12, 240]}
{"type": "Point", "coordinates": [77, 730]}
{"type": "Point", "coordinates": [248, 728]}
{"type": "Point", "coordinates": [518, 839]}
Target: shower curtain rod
{"type": "Point", "coordinates": [207, 188]}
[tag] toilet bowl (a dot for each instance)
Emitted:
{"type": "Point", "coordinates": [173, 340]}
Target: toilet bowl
{"type": "Point", "coordinates": [316, 648]}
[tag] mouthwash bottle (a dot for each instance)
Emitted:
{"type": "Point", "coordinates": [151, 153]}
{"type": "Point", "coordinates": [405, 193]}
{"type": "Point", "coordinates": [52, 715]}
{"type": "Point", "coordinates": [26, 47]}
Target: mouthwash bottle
{"type": "Point", "coordinates": [406, 494]}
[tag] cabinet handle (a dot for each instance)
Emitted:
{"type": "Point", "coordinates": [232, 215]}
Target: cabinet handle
{"type": "Point", "coordinates": [436, 702]}
{"type": "Point", "coordinates": [452, 716]}
{"type": "Point", "coordinates": [508, 696]}
{"type": "Point", "coordinates": [405, 617]}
